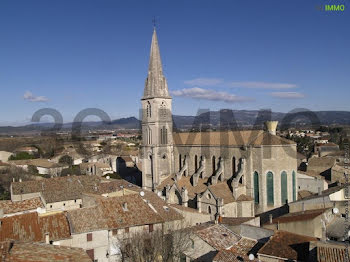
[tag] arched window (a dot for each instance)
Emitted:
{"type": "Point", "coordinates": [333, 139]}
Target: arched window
{"type": "Point", "coordinates": [233, 166]}
{"type": "Point", "coordinates": [294, 186]}
{"type": "Point", "coordinates": [269, 188]}
{"type": "Point", "coordinates": [284, 188]}
{"type": "Point", "coordinates": [195, 163]}
{"type": "Point", "coordinates": [256, 187]}
{"type": "Point", "coordinates": [165, 136]}
{"type": "Point", "coordinates": [209, 209]}
{"type": "Point", "coordinates": [214, 166]}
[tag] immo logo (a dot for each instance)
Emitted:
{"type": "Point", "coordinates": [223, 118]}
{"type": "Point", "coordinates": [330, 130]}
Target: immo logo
{"type": "Point", "coordinates": [338, 8]}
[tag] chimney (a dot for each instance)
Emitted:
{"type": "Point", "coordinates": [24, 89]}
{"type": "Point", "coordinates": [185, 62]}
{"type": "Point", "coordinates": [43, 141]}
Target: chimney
{"type": "Point", "coordinates": [47, 238]}
{"type": "Point", "coordinates": [270, 218]}
{"type": "Point", "coordinates": [271, 127]}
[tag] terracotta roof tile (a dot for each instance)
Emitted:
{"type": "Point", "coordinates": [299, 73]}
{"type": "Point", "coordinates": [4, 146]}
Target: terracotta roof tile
{"type": "Point", "coordinates": [122, 211]}
{"type": "Point", "coordinates": [222, 190]}
{"type": "Point", "coordinates": [217, 236]}
{"type": "Point", "coordinates": [239, 252]}
{"type": "Point", "coordinates": [299, 216]}
{"type": "Point", "coordinates": [10, 207]}
{"type": "Point", "coordinates": [287, 245]}
{"type": "Point", "coordinates": [36, 252]}
{"type": "Point", "coordinates": [33, 227]}
{"type": "Point", "coordinates": [69, 187]}
{"type": "Point", "coordinates": [327, 252]}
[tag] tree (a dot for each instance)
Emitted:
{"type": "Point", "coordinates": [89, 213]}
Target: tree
{"type": "Point", "coordinates": [21, 156]}
{"type": "Point", "coordinates": [155, 246]}
{"type": "Point", "coordinates": [66, 160]}
{"type": "Point", "coordinates": [33, 170]}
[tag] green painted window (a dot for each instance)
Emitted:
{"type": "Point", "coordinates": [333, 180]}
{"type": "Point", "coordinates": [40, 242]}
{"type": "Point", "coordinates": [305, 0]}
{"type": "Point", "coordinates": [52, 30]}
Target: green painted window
{"type": "Point", "coordinates": [294, 187]}
{"type": "Point", "coordinates": [284, 187]}
{"type": "Point", "coordinates": [269, 188]}
{"type": "Point", "coordinates": [256, 187]}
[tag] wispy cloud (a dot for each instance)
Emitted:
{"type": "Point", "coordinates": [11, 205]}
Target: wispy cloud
{"type": "Point", "coordinates": [204, 82]}
{"type": "Point", "coordinates": [205, 94]}
{"type": "Point", "coordinates": [262, 85]}
{"type": "Point", "coordinates": [247, 84]}
{"type": "Point", "coordinates": [32, 98]}
{"type": "Point", "coordinates": [288, 95]}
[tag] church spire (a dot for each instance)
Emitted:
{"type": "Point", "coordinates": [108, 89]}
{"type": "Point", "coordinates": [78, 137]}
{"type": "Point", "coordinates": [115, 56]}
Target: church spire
{"type": "Point", "coordinates": [156, 84]}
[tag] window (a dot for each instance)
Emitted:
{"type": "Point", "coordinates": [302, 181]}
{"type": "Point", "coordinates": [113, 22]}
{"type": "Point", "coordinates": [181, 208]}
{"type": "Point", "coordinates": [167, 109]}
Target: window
{"type": "Point", "coordinates": [195, 163]}
{"type": "Point", "coordinates": [180, 160]}
{"type": "Point", "coordinates": [149, 109]}
{"type": "Point", "coordinates": [213, 162]}
{"type": "Point", "coordinates": [284, 188]}
{"type": "Point", "coordinates": [294, 185]}
{"type": "Point", "coordinates": [233, 166]}
{"type": "Point", "coordinates": [126, 230]}
{"type": "Point", "coordinates": [209, 196]}
{"type": "Point", "coordinates": [269, 187]}
{"type": "Point", "coordinates": [89, 237]}
{"type": "Point", "coordinates": [209, 209]}
{"type": "Point", "coordinates": [91, 254]}
{"type": "Point", "coordinates": [115, 232]}
{"type": "Point", "coordinates": [150, 228]}
{"type": "Point", "coordinates": [256, 187]}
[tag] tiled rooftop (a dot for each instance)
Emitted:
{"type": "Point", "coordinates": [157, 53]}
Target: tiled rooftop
{"type": "Point", "coordinates": [331, 252]}
{"type": "Point", "coordinates": [36, 252]}
{"type": "Point", "coordinates": [239, 252]}
{"type": "Point", "coordinates": [217, 236]}
{"type": "Point", "coordinates": [287, 245]}
{"type": "Point", "coordinates": [122, 211]}
{"type": "Point", "coordinates": [299, 216]}
{"type": "Point", "coordinates": [31, 227]}
{"type": "Point", "coordinates": [69, 187]}
{"type": "Point", "coordinates": [10, 207]}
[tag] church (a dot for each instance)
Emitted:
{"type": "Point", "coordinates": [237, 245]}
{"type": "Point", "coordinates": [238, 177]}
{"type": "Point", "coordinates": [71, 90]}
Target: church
{"type": "Point", "coordinates": [226, 173]}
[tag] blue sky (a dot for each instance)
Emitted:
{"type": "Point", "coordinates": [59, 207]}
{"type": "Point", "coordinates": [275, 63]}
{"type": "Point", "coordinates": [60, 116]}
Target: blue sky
{"type": "Point", "coordinates": [71, 55]}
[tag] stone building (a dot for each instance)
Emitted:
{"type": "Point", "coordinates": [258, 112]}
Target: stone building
{"type": "Point", "coordinates": [224, 173]}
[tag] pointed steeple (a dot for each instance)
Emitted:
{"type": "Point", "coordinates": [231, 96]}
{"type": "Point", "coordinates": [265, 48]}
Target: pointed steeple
{"type": "Point", "coordinates": [156, 84]}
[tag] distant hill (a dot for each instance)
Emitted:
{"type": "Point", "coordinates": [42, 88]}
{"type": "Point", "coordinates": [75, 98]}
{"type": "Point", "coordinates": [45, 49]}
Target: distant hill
{"type": "Point", "coordinates": [235, 119]}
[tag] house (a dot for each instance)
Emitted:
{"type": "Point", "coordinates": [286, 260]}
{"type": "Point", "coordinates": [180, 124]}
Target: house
{"type": "Point", "coordinates": [4, 156]}
{"type": "Point", "coordinates": [311, 223]}
{"type": "Point", "coordinates": [27, 149]}
{"type": "Point", "coordinates": [311, 181]}
{"type": "Point", "coordinates": [65, 193]}
{"type": "Point", "coordinates": [43, 166]}
{"type": "Point", "coordinates": [325, 149]}
{"type": "Point", "coordinates": [95, 168]}
{"type": "Point", "coordinates": [34, 252]}
{"type": "Point", "coordinates": [107, 220]}
{"type": "Point", "coordinates": [286, 246]}
{"type": "Point", "coordinates": [207, 240]}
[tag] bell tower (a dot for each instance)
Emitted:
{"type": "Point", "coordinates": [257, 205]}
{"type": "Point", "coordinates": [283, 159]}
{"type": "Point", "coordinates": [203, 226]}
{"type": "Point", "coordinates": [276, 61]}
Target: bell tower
{"type": "Point", "coordinates": [157, 127]}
